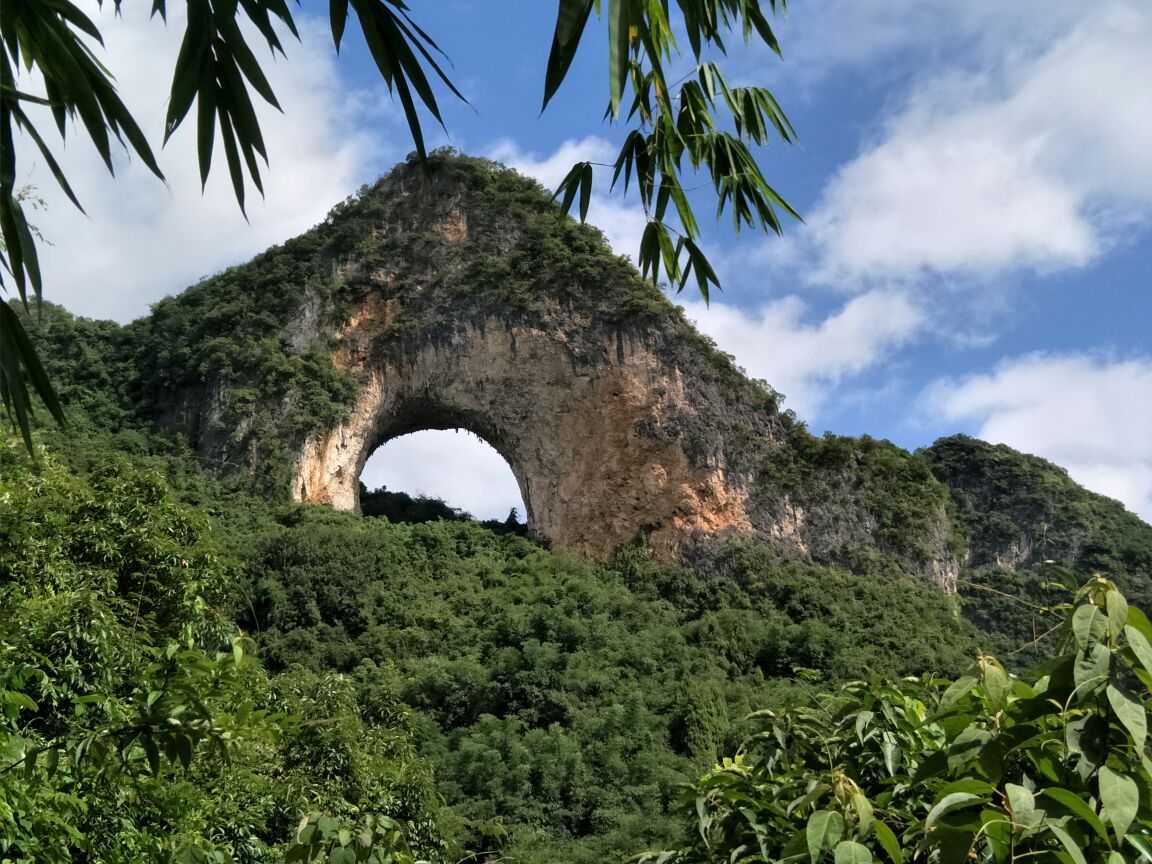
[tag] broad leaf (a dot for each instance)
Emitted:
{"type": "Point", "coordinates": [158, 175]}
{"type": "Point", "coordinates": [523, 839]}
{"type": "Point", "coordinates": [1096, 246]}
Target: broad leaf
{"type": "Point", "coordinates": [823, 832]}
{"type": "Point", "coordinates": [1120, 797]}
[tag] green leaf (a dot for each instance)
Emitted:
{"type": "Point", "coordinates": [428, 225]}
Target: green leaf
{"type": "Point", "coordinates": [571, 18]}
{"type": "Point", "coordinates": [1139, 621]}
{"type": "Point", "coordinates": [863, 808]}
{"type": "Point", "coordinates": [1120, 797]}
{"type": "Point", "coordinates": [585, 190]}
{"type": "Point", "coordinates": [1025, 817]}
{"type": "Point", "coordinates": [618, 50]}
{"type": "Point", "coordinates": [888, 841]}
{"type": "Point", "coordinates": [1079, 808]}
{"type": "Point", "coordinates": [1131, 714]}
{"type": "Point", "coordinates": [950, 803]}
{"type": "Point", "coordinates": [1140, 646]}
{"type": "Point", "coordinates": [850, 852]}
{"type": "Point", "coordinates": [1091, 670]}
{"type": "Point", "coordinates": [1089, 626]}
{"type": "Point", "coordinates": [824, 830]}
{"type": "Point", "coordinates": [1117, 609]}
{"type": "Point", "coordinates": [153, 754]}
{"type": "Point", "coordinates": [1068, 843]}
{"type": "Point", "coordinates": [1143, 845]}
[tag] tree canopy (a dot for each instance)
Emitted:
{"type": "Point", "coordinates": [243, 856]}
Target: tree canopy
{"type": "Point", "coordinates": [682, 117]}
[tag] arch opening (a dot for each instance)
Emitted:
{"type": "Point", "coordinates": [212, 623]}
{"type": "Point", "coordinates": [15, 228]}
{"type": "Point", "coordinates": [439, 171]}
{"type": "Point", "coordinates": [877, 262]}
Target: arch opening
{"type": "Point", "coordinates": [456, 467]}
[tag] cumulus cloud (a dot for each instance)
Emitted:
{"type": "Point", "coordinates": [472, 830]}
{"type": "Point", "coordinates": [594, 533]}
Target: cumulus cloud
{"type": "Point", "coordinates": [140, 240]}
{"type": "Point", "coordinates": [807, 360]}
{"type": "Point", "coordinates": [1036, 166]}
{"type": "Point", "coordinates": [1090, 415]}
{"type": "Point", "coordinates": [457, 467]}
{"type": "Point", "coordinates": [622, 224]}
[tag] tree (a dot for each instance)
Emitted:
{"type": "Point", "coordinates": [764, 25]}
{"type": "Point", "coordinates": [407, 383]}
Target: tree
{"type": "Point", "coordinates": [695, 123]}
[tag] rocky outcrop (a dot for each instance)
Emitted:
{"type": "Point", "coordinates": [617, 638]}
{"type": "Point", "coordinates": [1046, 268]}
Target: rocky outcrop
{"type": "Point", "coordinates": [581, 434]}
{"type": "Point", "coordinates": [462, 299]}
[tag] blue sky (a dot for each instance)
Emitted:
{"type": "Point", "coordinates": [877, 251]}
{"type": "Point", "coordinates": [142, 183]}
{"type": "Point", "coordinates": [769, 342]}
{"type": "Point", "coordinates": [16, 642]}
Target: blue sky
{"type": "Point", "coordinates": [976, 182]}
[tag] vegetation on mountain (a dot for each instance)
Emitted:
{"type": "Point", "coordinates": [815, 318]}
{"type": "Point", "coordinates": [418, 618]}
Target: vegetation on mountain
{"type": "Point", "coordinates": [436, 690]}
{"type": "Point", "coordinates": [1021, 515]}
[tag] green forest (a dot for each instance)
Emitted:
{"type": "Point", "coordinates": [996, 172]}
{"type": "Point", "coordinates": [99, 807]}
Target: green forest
{"type": "Point", "coordinates": [192, 672]}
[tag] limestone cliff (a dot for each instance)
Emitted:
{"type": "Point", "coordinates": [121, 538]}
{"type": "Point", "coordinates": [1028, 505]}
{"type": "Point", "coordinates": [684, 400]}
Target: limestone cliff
{"type": "Point", "coordinates": [460, 297]}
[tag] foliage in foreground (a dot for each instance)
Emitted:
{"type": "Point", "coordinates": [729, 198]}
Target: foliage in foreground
{"type": "Point", "coordinates": [1051, 766]}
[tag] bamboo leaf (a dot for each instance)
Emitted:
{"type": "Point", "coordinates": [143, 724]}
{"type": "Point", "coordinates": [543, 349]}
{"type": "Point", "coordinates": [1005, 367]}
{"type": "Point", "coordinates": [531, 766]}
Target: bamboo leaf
{"type": "Point", "coordinates": [571, 19]}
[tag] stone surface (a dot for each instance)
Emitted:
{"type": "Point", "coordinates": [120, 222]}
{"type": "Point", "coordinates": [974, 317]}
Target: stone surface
{"type": "Point", "coordinates": [590, 478]}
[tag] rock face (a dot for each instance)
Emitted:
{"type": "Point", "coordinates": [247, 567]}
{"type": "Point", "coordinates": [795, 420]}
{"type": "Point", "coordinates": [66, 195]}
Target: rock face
{"type": "Point", "coordinates": [587, 433]}
{"type": "Point", "coordinates": [463, 299]}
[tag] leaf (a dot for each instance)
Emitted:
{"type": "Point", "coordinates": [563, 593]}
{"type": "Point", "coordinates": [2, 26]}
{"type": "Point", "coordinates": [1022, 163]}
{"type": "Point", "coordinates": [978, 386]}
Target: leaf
{"type": "Point", "coordinates": [571, 18]}
{"type": "Point", "coordinates": [862, 721]}
{"type": "Point", "coordinates": [892, 755]}
{"type": "Point", "coordinates": [1142, 845]}
{"type": "Point", "coordinates": [585, 190]}
{"type": "Point", "coordinates": [1131, 714]}
{"type": "Point", "coordinates": [618, 48]}
{"type": "Point", "coordinates": [863, 808]}
{"type": "Point", "coordinates": [18, 358]}
{"type": "Point", "coordinates": [1089, 626]}
{"type": "Point", "coordinates": [850, 852]}
{"type": "Point", "coordinates": [1091, 671]}
{"type": "Point", "coordinates": [1139, 621]}
{"type": "Point", "coordinates": [1117, 609]}
{"type": "Point", "coordinates": [1079, 808]}
{"type": "Point", "coordinates": [153, 754]}
{"type": "Point", "coordinates": [1140, 645]}
{"type": "Point", "coordinates": [338, 17]}
{"type": "Point", "coordinates": [961, 687]}
{"type": "Point", "coordinates": [1120, 797]}
{"type": "Point", "coordinates": [888, 841]}
{"type": "Point", "coordinates": [1022, 803]}
{"type": "Point", "coordinates": [1068, 843]}
{"type": "Point", "coordinates": [950, 803]}
{"type": "Point", "coordinates": [824, 830]}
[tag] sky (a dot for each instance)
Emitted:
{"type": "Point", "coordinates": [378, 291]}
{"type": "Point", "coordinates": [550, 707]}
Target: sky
{"type": "Point", "coordinates": [975, 180]}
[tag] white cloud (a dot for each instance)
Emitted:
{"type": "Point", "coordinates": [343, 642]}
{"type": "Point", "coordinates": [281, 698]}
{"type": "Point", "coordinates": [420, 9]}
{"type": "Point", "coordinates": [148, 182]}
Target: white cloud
{"type": "Point", "coordinates": [1036, 166]}
{"type": "Point", "coordinates": [808, 361]}
{"type": "Point", "coordinates": [884, 36]}
{"type": "Point", "coordinates": [456, 467]}
{"type": "Point", "coordinates": [1090, 415]}
{"type": "Point", "coordinates": [141, 240]}
{"type": "Point", "coordinates": [622, 224]}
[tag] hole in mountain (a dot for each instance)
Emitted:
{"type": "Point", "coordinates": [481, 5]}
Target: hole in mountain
{"type": "Point", "coordinates": [441, 474]}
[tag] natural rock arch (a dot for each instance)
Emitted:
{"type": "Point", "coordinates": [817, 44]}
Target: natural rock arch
{"type": "Point", "coordinates": [459, 296]}
{"type": "Point", "coordinates": [591, 441]}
